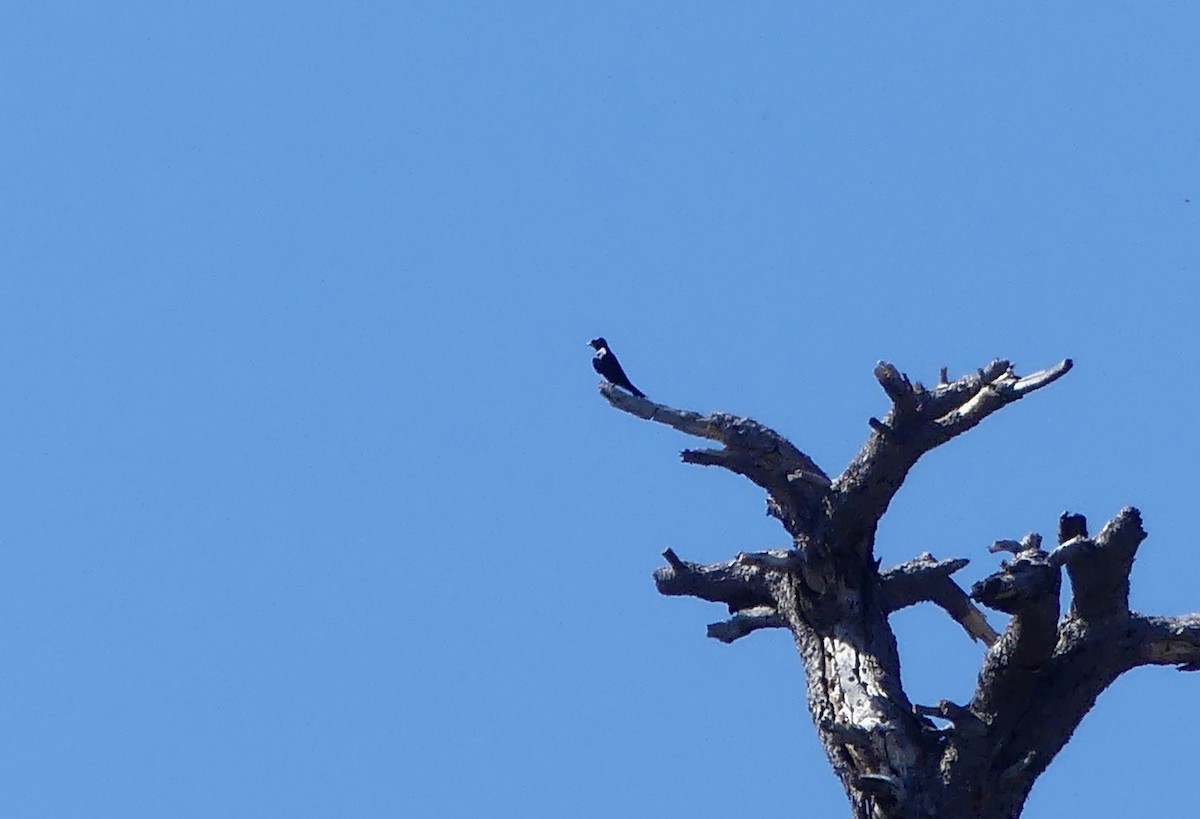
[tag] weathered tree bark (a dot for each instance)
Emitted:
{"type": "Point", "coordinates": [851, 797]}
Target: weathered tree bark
{"type": "Point", "coordinates": [1039, 678]}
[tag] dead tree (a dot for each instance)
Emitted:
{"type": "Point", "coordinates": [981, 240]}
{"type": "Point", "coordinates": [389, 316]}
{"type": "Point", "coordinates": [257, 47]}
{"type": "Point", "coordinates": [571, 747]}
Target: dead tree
{"type": "Point", "coordinates": [1039, 678]}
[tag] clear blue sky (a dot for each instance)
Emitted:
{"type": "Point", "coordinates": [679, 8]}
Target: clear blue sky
{"type": "Point", "coordinates": [310, 505]}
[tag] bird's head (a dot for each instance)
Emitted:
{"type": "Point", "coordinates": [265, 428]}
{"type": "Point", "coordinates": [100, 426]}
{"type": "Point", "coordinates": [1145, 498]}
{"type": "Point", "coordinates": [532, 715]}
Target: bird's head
{"type": "Point", "coordinates": [598, 343]}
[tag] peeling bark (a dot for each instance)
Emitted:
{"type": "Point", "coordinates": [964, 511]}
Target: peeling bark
{"type": "Point", "coordinates": [1038, 679]}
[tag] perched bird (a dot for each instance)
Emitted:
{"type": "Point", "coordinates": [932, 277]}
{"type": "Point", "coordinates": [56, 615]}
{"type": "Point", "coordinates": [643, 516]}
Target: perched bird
{"type": "Point", "coordinates": [605, 362]}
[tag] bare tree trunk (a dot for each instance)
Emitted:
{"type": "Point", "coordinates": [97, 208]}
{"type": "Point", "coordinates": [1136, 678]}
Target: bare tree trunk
{"type": "Point", "coordinates": [1039, 678]}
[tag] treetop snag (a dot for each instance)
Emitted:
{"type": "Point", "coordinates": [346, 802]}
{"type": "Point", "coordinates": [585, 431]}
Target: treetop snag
{"type": "Point", "coordinates": [1039, 676]}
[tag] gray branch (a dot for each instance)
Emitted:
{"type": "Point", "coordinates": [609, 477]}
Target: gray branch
{"type": "Point", "coordinates": [746, 622]}
{"type": "Point", "coordinates": [774, 456]}
{"type": "Point", "coordinates": [740, 584]}
{"type": "Point", "coordinates": [1168, 641]}
{"type": "Point", "coordinates": [926, 579]}
{"type": "Point", "coordinates": [794, 482]}
{"type": "Point", "coordinates": [918, 421]}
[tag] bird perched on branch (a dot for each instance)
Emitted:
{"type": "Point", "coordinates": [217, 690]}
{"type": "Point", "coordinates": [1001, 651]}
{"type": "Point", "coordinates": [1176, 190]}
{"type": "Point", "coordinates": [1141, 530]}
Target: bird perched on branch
{"type": "Point", "coordinates": [605, 363]}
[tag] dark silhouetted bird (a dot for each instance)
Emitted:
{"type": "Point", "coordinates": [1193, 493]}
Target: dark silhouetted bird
{"type": "Point", "coordinates": [605, 362]}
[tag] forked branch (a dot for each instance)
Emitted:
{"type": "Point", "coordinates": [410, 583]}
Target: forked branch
{"type": "Point", "coordinates": [919, 420]}
{"type": "Point", "coordinates": [1099, 569]}
{"type": "Point", "coordinates": [1044, 675]}
{"type": "Point", "coordinates": [743, 584]}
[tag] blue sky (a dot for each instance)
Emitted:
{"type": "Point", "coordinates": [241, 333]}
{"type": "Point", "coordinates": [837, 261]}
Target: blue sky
{"type": "Point", "coordinates": [311, 506]}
